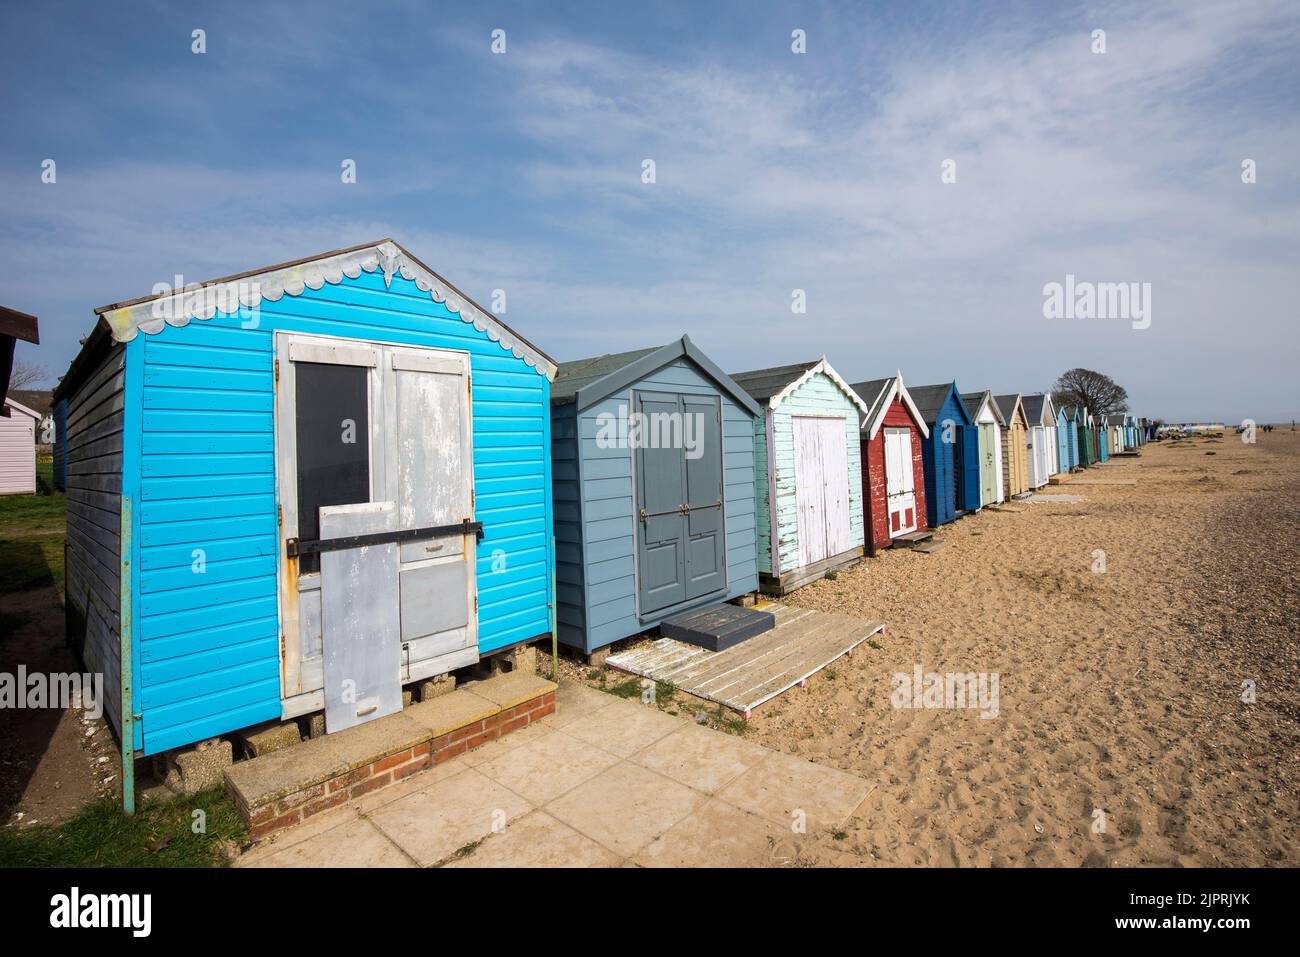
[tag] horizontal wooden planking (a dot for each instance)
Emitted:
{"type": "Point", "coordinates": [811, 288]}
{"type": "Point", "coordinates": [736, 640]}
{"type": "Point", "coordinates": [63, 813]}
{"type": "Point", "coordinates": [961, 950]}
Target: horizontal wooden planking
{"type": "Point", "coordinates": [91, 448]}
{"type": "Point", "coordinates": [208, 483]}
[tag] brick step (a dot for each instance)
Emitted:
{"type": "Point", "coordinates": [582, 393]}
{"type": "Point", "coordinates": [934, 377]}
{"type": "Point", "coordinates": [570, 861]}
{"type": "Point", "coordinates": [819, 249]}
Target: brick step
{"type": "Point", "coordinates": [286, 786]}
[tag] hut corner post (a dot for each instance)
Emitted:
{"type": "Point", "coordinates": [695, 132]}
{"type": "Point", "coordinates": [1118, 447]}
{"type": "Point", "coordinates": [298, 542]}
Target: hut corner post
{"type": "Point", "coordinates": [555, 634]}
{"type": "Point", "coordinates": [124, 668]}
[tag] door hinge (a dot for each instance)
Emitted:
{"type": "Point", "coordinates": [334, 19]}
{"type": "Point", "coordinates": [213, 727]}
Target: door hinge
{"type": "Point", "coordinates": [277, 370]}
{"type": "Point", "coordinates": [476, 604]}
{"type": "Point", "coordinates": [279, 515]}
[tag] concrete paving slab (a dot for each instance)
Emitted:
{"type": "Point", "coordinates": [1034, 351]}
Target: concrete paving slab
{"type": "Point", "coordinates": [548, 766]}
{"type": "Point", "coordinates": [293, 769]}
{"type": "Point", "coordinates": [624, 727]}
{"type": "Point", "coordinates": [574, 702]}
{"type": "Point", "coordinates": [311, 828]}
{"type": "Point", "coordinates": [498, 746]}
{"type": "Point", "coordinates": [510, 689]}
{"type": "Point", "coordinates": [787, 790]}
{"type": "Point", "coordinates": [538, 840]}
{"type": "Point", "coordinates": [626, 807]}
{"type": "Point", "coordinates": [716, 835]}
{"type": "Point", "coordinates": [432, 824]}
{"type": "Point", "coordinates": [356, 843]}
{"type": "Point", "coordinates": [700, 758]}
{"type": "Point", "coordinates": [450, 712]}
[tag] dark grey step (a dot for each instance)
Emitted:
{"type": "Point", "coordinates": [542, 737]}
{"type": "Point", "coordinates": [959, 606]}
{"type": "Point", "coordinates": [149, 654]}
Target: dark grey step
{"type": "Point", "coordinates": [910, 540]}
{"type": "Point", "coordinates": [717, 626]}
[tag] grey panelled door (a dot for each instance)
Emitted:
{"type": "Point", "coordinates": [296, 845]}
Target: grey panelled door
{"type": "Point", "coordinates": [706, 548]}
{"type": "Point", "coordinates": [678, 455]}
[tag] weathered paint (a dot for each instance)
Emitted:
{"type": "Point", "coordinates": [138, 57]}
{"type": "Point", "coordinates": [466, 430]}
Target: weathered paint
{"type": "Point", "coordinates": [875, 483]}
{"type": "Point", "coordinates": [595, 509]}
{"type": "Point", "coordinates": [199, 464]}
{"type": "Point", "coordinates": [818, 395]}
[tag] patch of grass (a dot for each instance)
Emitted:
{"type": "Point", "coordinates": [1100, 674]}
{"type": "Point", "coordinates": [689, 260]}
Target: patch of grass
{"type": "Point", "coordinates": [631, 688]}
{"type": "Point", "coordinates": [832, 574]}
{"type": "Point", "coordinates": [31, 513]}
{"type": "Point", "coordinates": [831, 674]}
{"type": "Point", "coordinates": [839, 835]}
{"type": "Point", "coordinates": [875, 644]}
{"type": "Point", "coordinates": [725, 722]}
{"type": "Point", "coordinates": [159, 834]}
{"type": "Point", "coordinates": [31, 542]}
{"type": "Point", "coordinates": [664, 692]}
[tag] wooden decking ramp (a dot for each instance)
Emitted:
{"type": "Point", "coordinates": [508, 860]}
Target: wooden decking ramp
{"type": "Point", "coordinates": [745, 675]}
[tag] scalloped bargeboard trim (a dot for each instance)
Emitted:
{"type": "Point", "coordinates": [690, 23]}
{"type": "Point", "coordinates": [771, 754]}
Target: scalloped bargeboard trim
{"type": "Point", "coordinates": [204, 302]}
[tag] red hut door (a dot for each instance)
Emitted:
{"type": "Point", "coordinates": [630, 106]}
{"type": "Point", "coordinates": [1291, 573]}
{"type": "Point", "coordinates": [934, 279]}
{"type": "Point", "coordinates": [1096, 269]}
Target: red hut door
{"type": "Point", "coordinates": [900, 481]}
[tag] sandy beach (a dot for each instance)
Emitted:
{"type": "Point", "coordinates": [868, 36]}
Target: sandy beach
{"type": "Point", "coordinates": [1121, 736]}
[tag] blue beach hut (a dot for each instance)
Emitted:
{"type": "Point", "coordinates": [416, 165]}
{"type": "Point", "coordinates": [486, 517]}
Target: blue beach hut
{"type": "Point", "coordinates": [653, 458]}
{"type": "Point", "coordinates": [951, 453]}
{"type": "Point", "coordinates": [230, 446]}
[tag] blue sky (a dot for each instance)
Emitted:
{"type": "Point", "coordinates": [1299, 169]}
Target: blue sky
{"type": "Point", "coordinates": [775, 172]}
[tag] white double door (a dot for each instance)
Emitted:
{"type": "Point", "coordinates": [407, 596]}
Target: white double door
{"type": "Point", "coordinates": [900, 482]}
{"type": "Point", "coordinates": [821, 487]}
{"type": "Point", "coordinates": [373, 447]}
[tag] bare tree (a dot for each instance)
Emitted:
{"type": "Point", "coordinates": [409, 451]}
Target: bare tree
{"type": "Point", "coordinates": [1095, 391]}
{"type": "Point", "coordinates": [26, 374]}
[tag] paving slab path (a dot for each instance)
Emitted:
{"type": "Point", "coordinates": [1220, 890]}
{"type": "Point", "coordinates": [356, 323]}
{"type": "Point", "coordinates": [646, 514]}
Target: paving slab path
{"type": "Point", "coordinates": [603, 782]}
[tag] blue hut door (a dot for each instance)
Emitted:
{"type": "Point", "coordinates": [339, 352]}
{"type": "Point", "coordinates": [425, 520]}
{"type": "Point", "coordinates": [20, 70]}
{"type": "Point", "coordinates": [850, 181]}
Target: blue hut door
{"type": "Point", "coordinates": [681, 545]}
{"type": "Point", "coordinates": [372, 439]}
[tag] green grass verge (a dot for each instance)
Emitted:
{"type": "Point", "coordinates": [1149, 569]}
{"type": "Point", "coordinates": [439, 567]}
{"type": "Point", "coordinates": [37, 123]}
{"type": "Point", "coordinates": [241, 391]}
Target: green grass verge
{"type": "Point", "coordinates": [159, 834]}
{"type": "Point", "coordinates": [31, 542]}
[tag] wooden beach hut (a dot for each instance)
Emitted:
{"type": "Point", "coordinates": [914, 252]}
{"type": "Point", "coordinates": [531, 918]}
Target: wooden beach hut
{"type": "Point", "coordinates": [1015, 445]}
{"type": "Point", "coordinates": [18, 428]}
{"type": "Point", "coordinates": [230, 448]}
{"type": "Point", "coordinates": [1063, 462]}
{"type": "Point", "coordinates": [654, 477]}
{"type": "Point", "coordinates": [952, 457]}
{"type": "Point", "coordinates": [1087, 440]}
{"type": "Point", "coordinates": [1099, 432]}
{"type": "Point", "coordinates": [808, 454]}
{"type": "Point", "coordinates": [893, 462]}
{"type": "Point", "coordinates": [989, 423]}
{"type": "Point", "coordinates": [1041, 452]}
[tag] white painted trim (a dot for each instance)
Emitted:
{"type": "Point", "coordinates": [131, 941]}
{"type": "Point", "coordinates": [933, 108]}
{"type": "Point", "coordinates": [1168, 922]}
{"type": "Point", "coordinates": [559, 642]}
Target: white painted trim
{"type": "Point", "coordinates": [898, 390]}
{"type": "Point", "coordinates": [822, 366]}
{"type": "Point", "coordinates": [22, 408]}
{"type": "Point", "coordinates": [203, 302]}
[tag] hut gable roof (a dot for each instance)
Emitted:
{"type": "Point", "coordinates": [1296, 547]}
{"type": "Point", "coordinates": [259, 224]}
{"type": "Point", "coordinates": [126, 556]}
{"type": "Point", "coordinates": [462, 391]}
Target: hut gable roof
{"type": "Point", "coordinates": [1009, 405]}
{"type": "Point", "coordinates": [151, 314]}
{"type": "Point", "coordinates": [930, 400]}
{"type": "Point", "coordinates": [879, 395]}
{"type": "Point", "coordinates": [587, 381]}
{"type": "Point", "coordinates": [771, 386]}
{"type": "Point", "coordinates": [975, 403]}
{"type": "Point", "coordinates": [1038, 409]}
{"type": "Point", "coordinates": [11, 405]}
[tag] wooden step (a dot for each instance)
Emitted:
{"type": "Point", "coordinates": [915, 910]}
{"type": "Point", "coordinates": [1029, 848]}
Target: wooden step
{"type": "Point", "coordinates": [718, 626]}
{"type": "Point", "coordinates": [910, 539]}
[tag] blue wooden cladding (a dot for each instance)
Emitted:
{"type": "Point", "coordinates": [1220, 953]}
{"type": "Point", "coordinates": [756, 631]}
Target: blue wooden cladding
{"type": "Point", "coordinates": [626, 557]}
{"type": "Point", "coordinates": [199, 462]}
{"type": "Point", "coordinates": [951, 453]}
